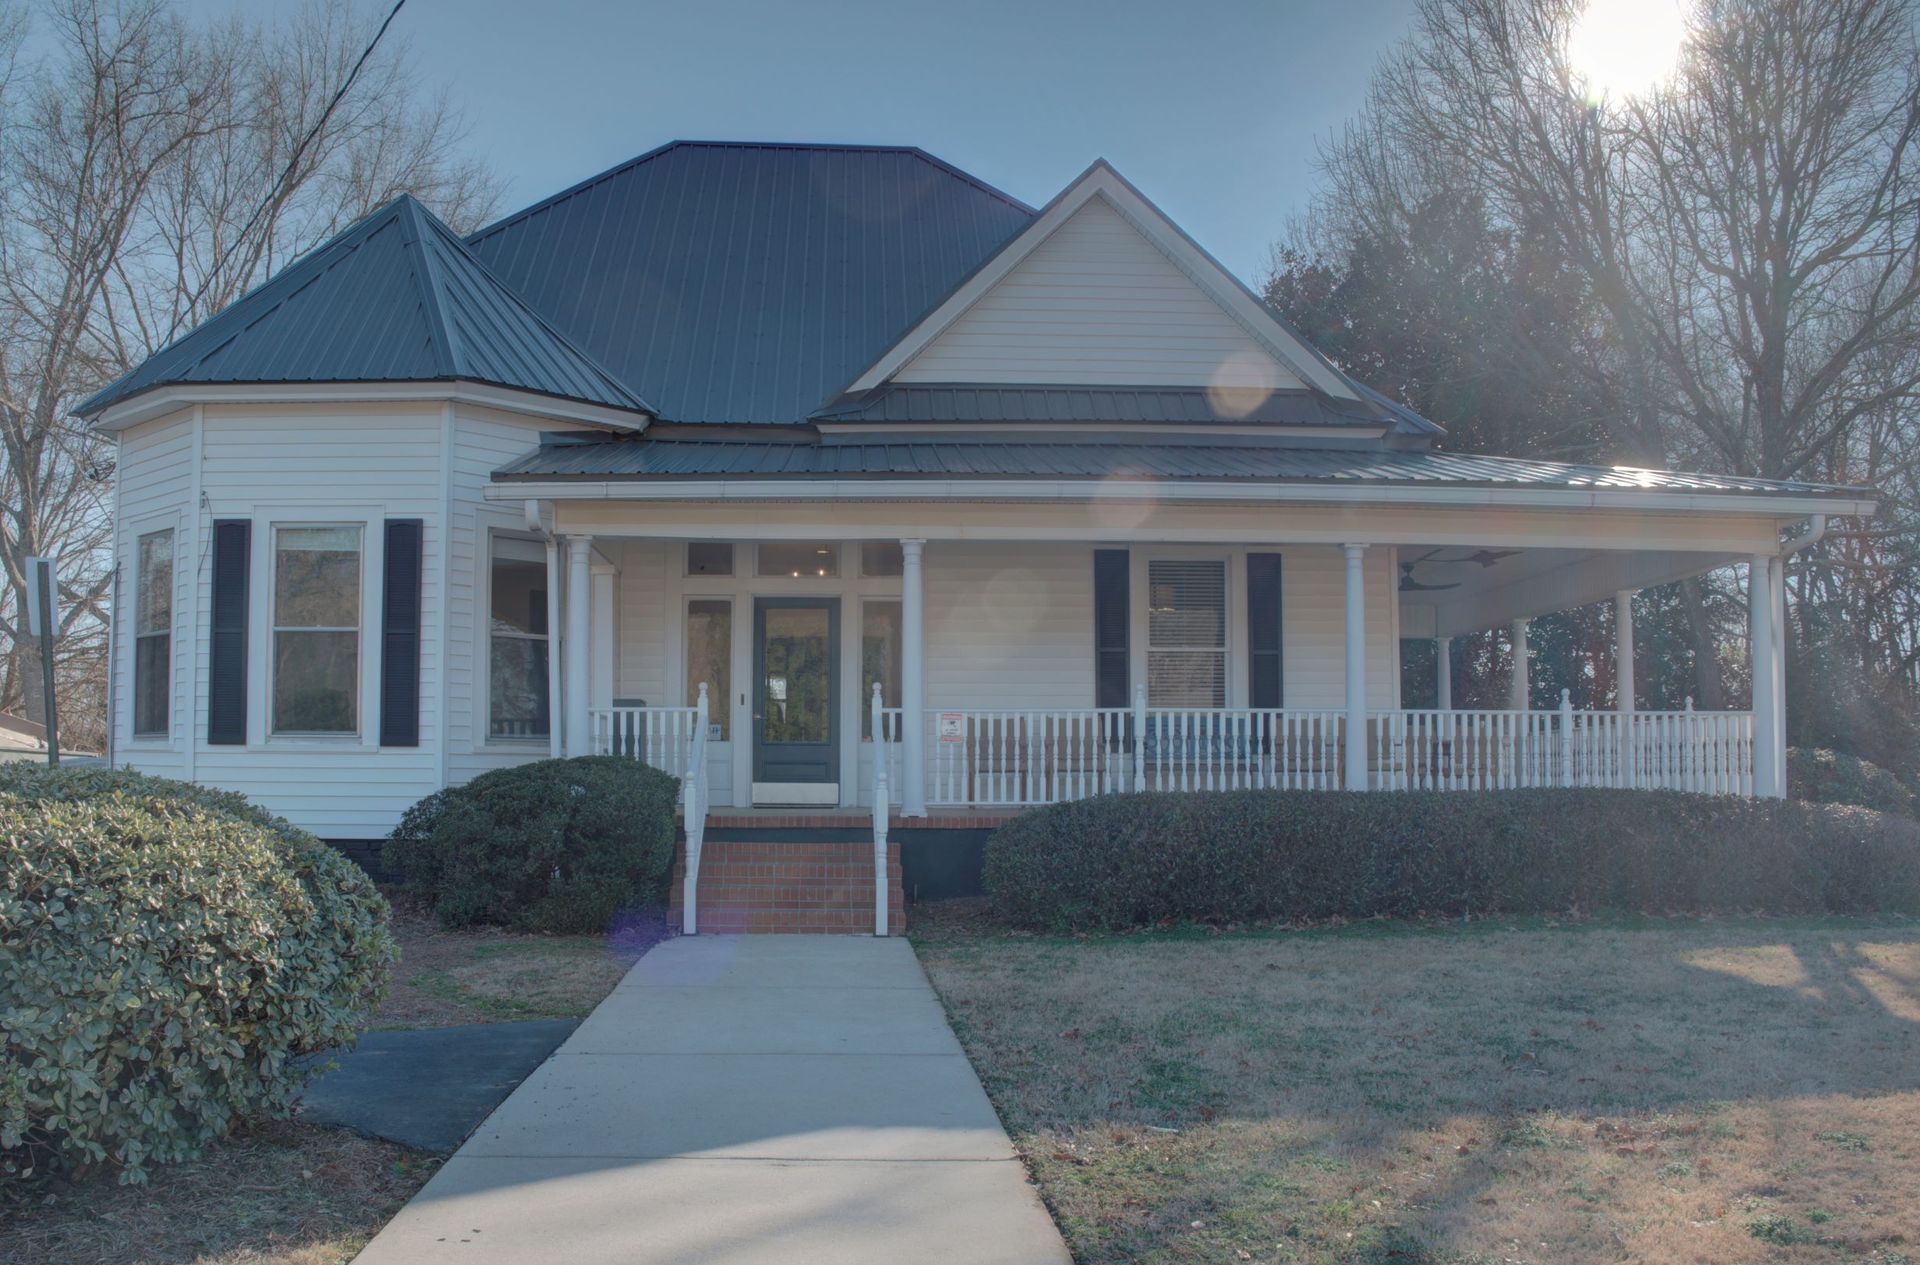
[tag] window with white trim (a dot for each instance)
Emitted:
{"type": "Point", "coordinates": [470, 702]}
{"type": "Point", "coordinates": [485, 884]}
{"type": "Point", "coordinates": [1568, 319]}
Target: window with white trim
{"type": "Point", "coordinates": [879, 657]}
{"type": "Point", "coordinates": [517, 640]}
{"type": "Point", "coordinates": [316, 629]}
{"type": "Point", "coordinates": [152, 633]}
{"type": "Point", "coordinates": [710, 659]}
{"type": "Point", "coordinates": [1186, 632]}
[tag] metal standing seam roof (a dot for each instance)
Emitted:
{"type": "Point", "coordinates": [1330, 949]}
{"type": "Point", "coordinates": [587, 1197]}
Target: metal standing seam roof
{"type": "Point", "coordinates": [395, 298]}
{"type": "Point", "coordinates": [1155, 405]}
{"type": "Point", "coordinates": [667, 459]}
{"type": "Point", "coordinates": [747, 283]}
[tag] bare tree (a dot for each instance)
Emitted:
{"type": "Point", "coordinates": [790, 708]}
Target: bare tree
{"type": "Point", "coordinates": [151, 170]}
{"type": "Point", "coordinates": [1750, 231]}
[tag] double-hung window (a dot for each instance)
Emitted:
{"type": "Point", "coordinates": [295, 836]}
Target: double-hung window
{"type": "Point", "coordinates": [518, 704]}
{"type": "Point", "coordinates": [152, 633]}
{"type": "Point", "coordinates": [316, 629]}
{"type": "Point", "coordinates": [1187, 632]}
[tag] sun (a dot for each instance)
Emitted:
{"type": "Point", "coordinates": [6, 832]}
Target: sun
{"type": "Point", "coordinates": [1625, 48]}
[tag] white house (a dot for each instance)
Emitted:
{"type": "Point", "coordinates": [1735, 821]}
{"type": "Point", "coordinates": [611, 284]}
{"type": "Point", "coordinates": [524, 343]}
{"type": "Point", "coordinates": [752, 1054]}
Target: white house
{"type": "Point", "coordinates": [795, 422]}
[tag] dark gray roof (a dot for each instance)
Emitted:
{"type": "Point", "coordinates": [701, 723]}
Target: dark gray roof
{"type": "Point", "coordinates": [1161, 405]}
{"type": "Point", "coordinates": [749, 283]}
{"type": "Point", "coordinates": [666, 459]}
{"type": "Point", "coordinates": [395, 298]}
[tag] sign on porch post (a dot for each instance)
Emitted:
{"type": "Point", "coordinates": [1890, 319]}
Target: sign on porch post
{"type": "Point", "coordinates": [42, 621]}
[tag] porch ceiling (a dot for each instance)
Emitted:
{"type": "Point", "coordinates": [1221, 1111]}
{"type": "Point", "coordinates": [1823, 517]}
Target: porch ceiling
{"type": "Point", "coordinates": [1491, 587]}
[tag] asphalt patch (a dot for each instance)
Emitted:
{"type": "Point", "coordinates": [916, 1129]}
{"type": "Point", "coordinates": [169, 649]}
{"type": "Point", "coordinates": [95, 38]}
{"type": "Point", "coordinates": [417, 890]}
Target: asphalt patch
{"type": "Point", "coordinates": [430, 1087]}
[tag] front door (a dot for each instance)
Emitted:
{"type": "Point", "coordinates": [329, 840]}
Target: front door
{"type": "Point", "coordinates": [796, 700]}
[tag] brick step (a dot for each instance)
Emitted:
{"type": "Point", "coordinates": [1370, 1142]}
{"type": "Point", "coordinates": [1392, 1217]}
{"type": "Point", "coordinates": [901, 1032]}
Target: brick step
{"type": "Point", "coordinates": [788, 887]}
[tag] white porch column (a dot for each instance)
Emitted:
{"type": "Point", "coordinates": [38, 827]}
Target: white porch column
{"type": "Point", "coordinates": [1443, 673]}
{"type": "Point", "coordinates": [1623, 650]}
{"type": "Point", "coordinates": [913, 684]}
{"type": "Point", "coordinates": [578, 670]}
{"type": "Point", "coordinates": [556, 697]}
{"type": "Point", "coordinates": [1519, 697]}
{"type": "Point", "coordinates": [1777, 585]}
{"type": "Point", "coordinates": [1356, 743]}
{"type": "Point", "coordinates": [1760, 652]}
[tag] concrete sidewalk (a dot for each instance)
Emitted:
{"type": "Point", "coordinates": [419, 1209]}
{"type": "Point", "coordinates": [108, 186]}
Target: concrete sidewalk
{"type": "Point", "coordinates": [788, 1099]}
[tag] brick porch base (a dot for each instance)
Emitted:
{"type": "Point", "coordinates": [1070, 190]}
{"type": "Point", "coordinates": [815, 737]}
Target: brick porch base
{"type": "Point", "coordinates": [785, 888]}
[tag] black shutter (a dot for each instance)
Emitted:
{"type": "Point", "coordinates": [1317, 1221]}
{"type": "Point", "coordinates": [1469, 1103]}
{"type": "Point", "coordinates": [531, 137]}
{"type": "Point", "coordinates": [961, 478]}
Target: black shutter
{"type": "Point", "coordinates": [227, 649]}
{"type": "Point", "coordinates": [1263, 630]}
{"type": "Point", "coordinates": [1110, 619]}
{"type": "Point", "coordinates": [400, 636]}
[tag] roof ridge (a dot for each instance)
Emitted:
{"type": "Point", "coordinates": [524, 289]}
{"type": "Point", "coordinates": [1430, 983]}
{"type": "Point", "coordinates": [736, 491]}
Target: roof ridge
{"type": "Point", "coordinates": [426, 276]}
{"type": "Point", "coordinates": [621, 168]}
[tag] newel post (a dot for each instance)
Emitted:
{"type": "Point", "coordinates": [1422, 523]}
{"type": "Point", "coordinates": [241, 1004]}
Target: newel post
{"type": "Point", "coordinates": [1140, 737]}
{"type": "Point", "coordinates": [1566, 738]}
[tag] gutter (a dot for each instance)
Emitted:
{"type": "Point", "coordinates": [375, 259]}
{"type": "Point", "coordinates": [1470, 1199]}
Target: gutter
{"type": "Point", "coordinates": [1815, 529]}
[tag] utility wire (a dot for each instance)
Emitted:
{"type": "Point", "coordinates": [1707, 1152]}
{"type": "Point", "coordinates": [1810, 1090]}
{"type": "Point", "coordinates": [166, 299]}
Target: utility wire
{"type": "Point", "coordinates": [293, 163]}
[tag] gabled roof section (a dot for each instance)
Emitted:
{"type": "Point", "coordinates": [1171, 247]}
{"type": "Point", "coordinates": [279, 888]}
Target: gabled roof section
{"type": "Point", "coordinates": [395, 298]}
{"type": "Point", "coordinates": [1093, 204]}
{"type": "Point", "coordinates": [746, 283]}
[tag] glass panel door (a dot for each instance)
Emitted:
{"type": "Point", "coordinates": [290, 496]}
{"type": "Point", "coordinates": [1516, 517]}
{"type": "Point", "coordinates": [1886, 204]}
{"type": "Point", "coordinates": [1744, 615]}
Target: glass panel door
{"type": "Point", "coordinates": [796, 689]}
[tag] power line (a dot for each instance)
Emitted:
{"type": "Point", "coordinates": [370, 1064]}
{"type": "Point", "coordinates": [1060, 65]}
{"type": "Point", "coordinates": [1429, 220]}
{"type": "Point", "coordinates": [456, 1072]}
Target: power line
{"type": "Point", "coordinates": [293, 162]}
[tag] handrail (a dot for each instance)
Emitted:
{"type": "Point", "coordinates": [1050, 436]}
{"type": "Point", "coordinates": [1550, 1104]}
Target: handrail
{"type": "Point", "coordinates": [693, 789]}
{"type": "Point", "coordinates": [880, 812]}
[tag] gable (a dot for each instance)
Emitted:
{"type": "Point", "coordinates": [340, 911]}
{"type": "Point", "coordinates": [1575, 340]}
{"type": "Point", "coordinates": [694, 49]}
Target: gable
{"type": "Point", "coordinates": [1096, 303]}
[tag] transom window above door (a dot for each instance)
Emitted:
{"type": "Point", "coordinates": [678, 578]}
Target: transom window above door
{"type": "Point", "coordinates": [1187, 632]}
{"type": "Point", "coordinates": [798, 559]}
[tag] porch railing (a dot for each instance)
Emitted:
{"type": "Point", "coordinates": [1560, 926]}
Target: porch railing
{"type": "Point", "coordinates": [660, 736]}
{"type": "Point", "coordinates": [1012, 758]}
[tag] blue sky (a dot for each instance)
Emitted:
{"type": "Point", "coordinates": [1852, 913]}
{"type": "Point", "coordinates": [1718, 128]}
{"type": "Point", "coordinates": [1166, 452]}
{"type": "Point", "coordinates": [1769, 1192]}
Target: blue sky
{"type": "Point", "coordinates": [1211, 107]}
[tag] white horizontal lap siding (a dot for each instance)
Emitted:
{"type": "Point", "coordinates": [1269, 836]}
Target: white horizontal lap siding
{"type": "Point", "coordinates": [1097, 304]}
{"type": "Point", "coordinates": [1009, 625]}
{"type": "Point", "coordinates": [292, 463]}
{"type": "Point", "coordinates": [483, 441]}
{"type": "Point", "coordinates": [1313, 633]}
{"type": "Point", "coordinates": [154, 490]}
{"type": "Point", "coordinates": [641, 613]}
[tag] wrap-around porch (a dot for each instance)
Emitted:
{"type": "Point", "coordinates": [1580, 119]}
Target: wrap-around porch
{"type": "Point", "coordinates": [1007, 674]}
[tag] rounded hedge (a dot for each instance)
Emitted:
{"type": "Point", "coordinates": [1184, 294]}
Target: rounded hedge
{"type": "Point", "coordinates": [555, 845]}
{"type": "Point", "coordinates": [167, 956]}
{"type": "Point", "coordinates": [1235, 856]}
{"type": "Point", "coordinates": [1835, 777]}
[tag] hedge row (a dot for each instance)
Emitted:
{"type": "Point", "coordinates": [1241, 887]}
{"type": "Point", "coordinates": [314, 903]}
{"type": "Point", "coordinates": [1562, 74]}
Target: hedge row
{"type": "Point", "coordinates": [167, 956]}
{"type": "Point", "coordinates": [555, 845]}
{"type": "Point", "coordinates": [1834, 777]}
{"type": "Point", "coordinates": [1130, 860]}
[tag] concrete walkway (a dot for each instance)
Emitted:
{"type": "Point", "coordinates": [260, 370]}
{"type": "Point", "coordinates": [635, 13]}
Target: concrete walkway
{"type": "Point", "coordinates": [738, 1100]}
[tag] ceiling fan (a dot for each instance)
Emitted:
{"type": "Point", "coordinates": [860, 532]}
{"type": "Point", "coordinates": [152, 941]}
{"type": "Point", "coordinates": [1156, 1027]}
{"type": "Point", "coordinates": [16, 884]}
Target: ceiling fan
{"type": "Point", "coordinates": [1410, 585]}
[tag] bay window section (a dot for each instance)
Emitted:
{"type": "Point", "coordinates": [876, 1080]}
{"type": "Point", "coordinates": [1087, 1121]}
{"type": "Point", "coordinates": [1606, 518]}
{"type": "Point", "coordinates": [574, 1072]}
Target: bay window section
{"type": "Point", "coordinates": [710, 659]}
{"type": "Point", "coordinates": [518, 705]}
{"type": "Point", "coordinates": [879, 659]}
{"type": "Point", "coordinates": [152, 633]}
{"type": "Point", "coordinates": [1186, 632]}
{"type": "Point", "coordinates": [316, 630]}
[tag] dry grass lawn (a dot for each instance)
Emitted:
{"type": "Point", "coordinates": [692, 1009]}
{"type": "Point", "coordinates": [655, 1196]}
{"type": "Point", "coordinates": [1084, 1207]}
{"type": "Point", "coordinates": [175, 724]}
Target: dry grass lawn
{"type": "Point", "coordinates": [1662, 1092]}
{"type": "Point", "coordinates": [485, 975]}
{"type": "Point", "coordinates": [276, 1194]}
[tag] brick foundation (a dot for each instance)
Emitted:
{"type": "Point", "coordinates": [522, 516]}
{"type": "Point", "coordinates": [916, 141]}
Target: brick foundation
{"type": "Point", "coordinates": [785, 888]}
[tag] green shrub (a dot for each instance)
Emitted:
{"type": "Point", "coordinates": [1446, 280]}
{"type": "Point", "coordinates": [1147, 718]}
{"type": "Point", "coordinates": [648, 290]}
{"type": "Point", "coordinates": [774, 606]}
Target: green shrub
{"type": "Point", "coordinates": [167, 955]}
{"type": "Point", "coordinates": [1130, 860]}
{"type": "Point", "coordinates": [1834, 777]}
{"type": "Point", "coordinates": [408, 855]}
{"type": "Point", "coordinates": [556, 845]}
